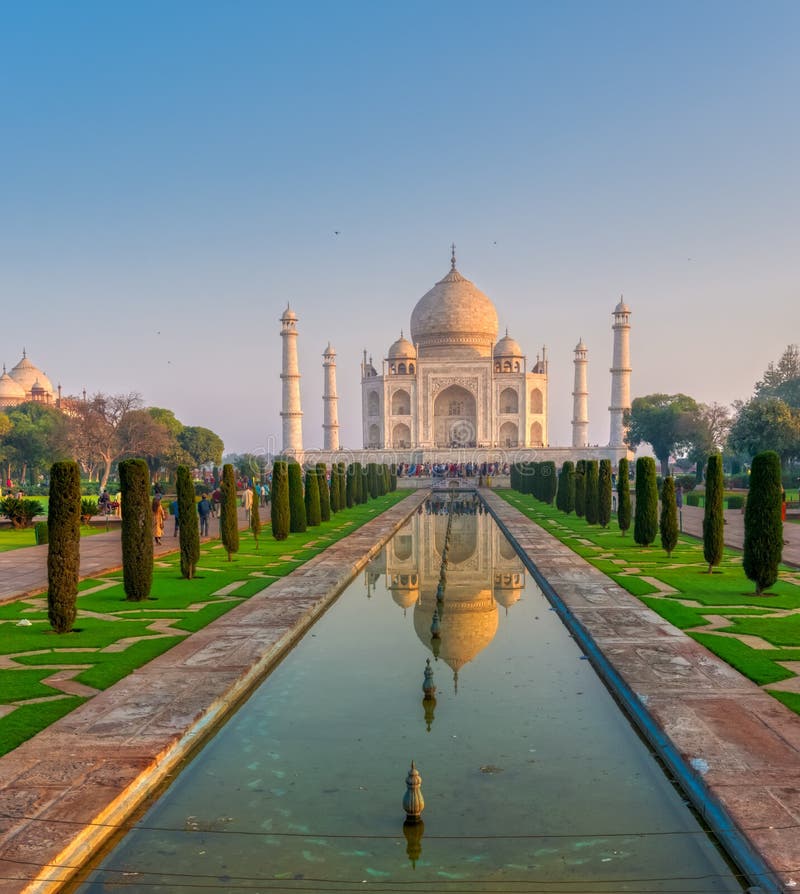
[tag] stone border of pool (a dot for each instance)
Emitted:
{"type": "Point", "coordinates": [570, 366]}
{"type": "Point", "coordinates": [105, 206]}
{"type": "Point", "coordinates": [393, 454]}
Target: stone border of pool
{"type": "Point", "coordinates": [733, 748]}
{"type": "Point", "coordinates": [64, 791]}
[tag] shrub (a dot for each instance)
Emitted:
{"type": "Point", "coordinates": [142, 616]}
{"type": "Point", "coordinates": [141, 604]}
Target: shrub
{"type": "Point", "coordinates": [324, 492]}
{"type": "Point", "coordinates": [604, 488]}
{"type": "Point", "coordinates": [686, 482]}
{"type": "Point", "coordinates": [89, 509]}
{"type": "Point", "coordinates": [137, 529]}
{"type": "Point", "coordinates": [40, 533]}
{"type": "Point", "coordinates": [592, 492]}
{"type": "Point", "coordinates": [280, 500]}
{"type": "Point", "coordinates": [623, 497]}
{"type": "Point", "coordinates": [64, 545]}
{"type": "Point", "coordinates": [188, 525]}
{"type": "Point", "coordinates": [713, 517]}
{"type": "Point", "coordinates": [580, 488]}
{"type": "Point", "coordinates": [763, 528]}
{"type": "Point", "coordinates": [692, 499]}
{"type": "Point", "coordinates": [668, 522]}
{"type": "Point", "coordinates": [297, 506]}
{"type": "Point", "coordinates": [735, 501]}
{"type": "Point", "coordinates": [568, 482]}
{"type": "Point", "coordinates": [372, 480]}
{"type": "Point", "coordinates": [645, 521]}
{"type": "Point", "coordinates": [350, 486]}
{"type": "Point", "coordinates": [549, 481]}
{"type": "Point", "coordinates": [228, 516]}
{"type": "Point", "coordinates": [20, 512]}
{"type": "Point", "coordinates": [313, 513]}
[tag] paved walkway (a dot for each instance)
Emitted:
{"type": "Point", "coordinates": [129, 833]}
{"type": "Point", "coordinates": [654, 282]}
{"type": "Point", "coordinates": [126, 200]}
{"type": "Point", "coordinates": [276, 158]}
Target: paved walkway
{"type": "Point", "coordinates": [736, 747]}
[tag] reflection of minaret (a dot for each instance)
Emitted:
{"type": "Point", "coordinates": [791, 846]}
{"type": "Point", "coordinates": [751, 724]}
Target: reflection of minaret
{"type": "Point", "coordinates": [291, 413]}
{"type": "Point", "coordinates": [620, 373]}
{"type": "Point", "coordinates": [580, 396]}
{"type": "Point", "coordinates": [330, 424]}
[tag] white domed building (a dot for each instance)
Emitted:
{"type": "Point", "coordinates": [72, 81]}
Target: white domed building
{"type": "Point", "coordinates": [25, 382]}
{"type": "Point", "coordinates": [453, 384]}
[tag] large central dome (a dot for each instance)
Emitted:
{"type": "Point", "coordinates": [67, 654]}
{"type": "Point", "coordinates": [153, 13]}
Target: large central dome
{"type": "Point", "coordinates": [454, 320]}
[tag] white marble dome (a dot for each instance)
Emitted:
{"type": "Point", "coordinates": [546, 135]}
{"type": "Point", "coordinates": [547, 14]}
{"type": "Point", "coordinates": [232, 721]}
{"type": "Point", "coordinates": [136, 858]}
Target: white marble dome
{"type": "Point", "coordinates": [27, 374]}
{"type": "Point", "coordinates": [11, 392]}
{"type": "Point", "coordinates": [402, 349]}
{"type": "Point", "coordinates": [507, 347]}
{"type": "Point", "coordinates": [454, 319]}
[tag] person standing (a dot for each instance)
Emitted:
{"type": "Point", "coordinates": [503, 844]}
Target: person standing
{"type": "Point", "coordinates": [173, 508]}
{"type": "Point", "coordinates": [204, 511]}
{"type": "Point", "coordinates": [158, 518]}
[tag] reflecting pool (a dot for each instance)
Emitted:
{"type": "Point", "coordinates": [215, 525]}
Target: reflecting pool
{"type": "Point", "coordinates": [532, 778]}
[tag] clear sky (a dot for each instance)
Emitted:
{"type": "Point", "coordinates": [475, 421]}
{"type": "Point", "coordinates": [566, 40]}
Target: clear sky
{"type": "Point", "coordinates": [174, 172]}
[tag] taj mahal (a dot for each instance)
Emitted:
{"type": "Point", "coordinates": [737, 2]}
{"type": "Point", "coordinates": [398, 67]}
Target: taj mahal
{"type": "Point", "coordinates": [453, 387]}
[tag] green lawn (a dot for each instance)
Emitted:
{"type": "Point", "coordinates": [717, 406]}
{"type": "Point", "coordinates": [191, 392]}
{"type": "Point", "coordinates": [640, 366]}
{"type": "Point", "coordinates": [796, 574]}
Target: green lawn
{"type": "Point", "coordinates": [773, 618]}
{"type": "Point", "coordinates": [11, 538]}
{"type": "Point", "coordinates": [105, 618]}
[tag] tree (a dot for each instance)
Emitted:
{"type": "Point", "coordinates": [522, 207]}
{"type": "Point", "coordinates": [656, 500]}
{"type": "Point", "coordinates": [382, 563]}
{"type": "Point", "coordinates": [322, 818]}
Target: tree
{"type": "Point", "coordinates": [280, 500]}
{"type": "Point", "coordinates": [592, 492]}
{"type": "Point", "coordinates": [228, 516]}
{"type": "Point", "coordinates": [713, 426]}
{"type": "Point", "coordinates": [580, 488]}
{"type": "Point", "coordinates": [350, 485]}
{"type": "Point", "coordinates": [549, 482]}
{"type": "Point", "coordinates": [645, 521]}
{"type": "Point", "coordinates": [188, 526]}
{"type": "Point", "coordinates": [668, 422]}
{"type": "Point", "coordinates": [341, 468]}
{"type": "Point", "coordinates": [33, 440]}
{"type": "Point", "coordinates": [297, 507]}
{"type": "Point", "coordinates": [782, 380]}
{"type": "Point", "coordinates": [623, 497]}
{"type": "Point", "coordinates": [604, 493]}
{"type": "Point", "coordinates": [713, 516]}
{"type": "Point", "coordinates": [765, 424]}
{"type": "Point", "coordinates": [763, 527]}
{"type": "Point", "coordinates": [568, 482]}
{"type": "Point", "coordinates": [313, 512]}
{"type": "Point", "coordinates": [255, 519]}
{"type": "Point", "coordinates": [137, 529]}
{"type": "Point", "coordinates": [668, 522]}
{"type": "Point", "coordinates": [63, 545]}
{"type": "Point", "coordinates": [324, 492]}
{"type": "Point", "coordinates": [202, 445]}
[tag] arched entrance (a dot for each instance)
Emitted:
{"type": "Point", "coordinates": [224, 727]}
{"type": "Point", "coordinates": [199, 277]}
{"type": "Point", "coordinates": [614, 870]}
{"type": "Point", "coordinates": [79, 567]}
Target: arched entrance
{"type": "Point", "coordinates": [455, 420]}
{"type": "Point", "coordinates": [401, 436]}
{"type": "Point", "coordinates": [509, 435]}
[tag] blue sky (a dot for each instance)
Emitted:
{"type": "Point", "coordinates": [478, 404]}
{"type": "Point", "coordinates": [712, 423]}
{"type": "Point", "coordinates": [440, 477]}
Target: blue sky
{"type": "Point", "coordinates": [174, 173]}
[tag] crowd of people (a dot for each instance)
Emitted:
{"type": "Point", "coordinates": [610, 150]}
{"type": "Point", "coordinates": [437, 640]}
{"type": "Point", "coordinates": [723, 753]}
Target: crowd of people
{"type": "Point", "coordinates": [451, 470]}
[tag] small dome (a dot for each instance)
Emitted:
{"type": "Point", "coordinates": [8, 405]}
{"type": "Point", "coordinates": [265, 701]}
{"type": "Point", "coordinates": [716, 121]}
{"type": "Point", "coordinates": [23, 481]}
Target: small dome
{"type": "Point", "coordinates": [581, 346]}
{"type": "Point", "coordinates": [26, 374]}
{"type": "Point", "coordinates": [622, 307]}
{"type": "Point", "coordinates": [329, 351]}
{"type": "Point", "coordinates": [507, 347]}
{"type": "Point", "coordinates": [10, 391]}
{"type": "Point", "coordinates": [289, 314]}
{"type": "Point", "coordinates": [402, 349]}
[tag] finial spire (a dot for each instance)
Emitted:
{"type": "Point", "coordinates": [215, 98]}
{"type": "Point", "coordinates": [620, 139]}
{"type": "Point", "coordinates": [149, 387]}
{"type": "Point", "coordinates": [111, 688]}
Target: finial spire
{"type": "Point", "coordinates": [452, 256]}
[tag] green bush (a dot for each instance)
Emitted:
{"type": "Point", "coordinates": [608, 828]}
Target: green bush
{"type": "Point", "coordinates": [228, 517]}
{"type": "Point", "coordinates": [188, 522]}
{"type": "Point", "coordinates": [40, 532]}
{"type": "Point", "coordinates": [580, 488]}
{"type": "Point", "coordinates": [763, 527]}
{"type": "Point", "coordinates": [20, 512]}
{"type": "Point", "coordinates": [604, 488]}
{"type": "Point", "coordinates": [313, 513]}
{"type": "Point", "coordinates": [137, 529]}
{"type": "Point", "coordinates": [735, 501]}
{"type": "Point", "coordinates": [686, 482]}
{"type": "Point", "coordinates": [324, 492]}
{"type": "Point", "coordinates": [297, 506]}
{"type": "Point", "coordinates": [623, 496]}
{"type": "Point", "coordinates": [549, 482]}
{"type": "Point", "coordinates": [645, 521]}
{"type": "Point", "coordinates": [88, 509]}
{"type": "Point", "coordinates": [280, 500]}
{"type": "Point", "coordinates": [64, 545]}
{"type": "Point", "coordinates": [668, 522]}
{"type": "Point", "coordinates": [713, 517]}
{"type": "Point", "coordinates": [692, 499]}
{"type": "Point", "coordinates": [592, 492]}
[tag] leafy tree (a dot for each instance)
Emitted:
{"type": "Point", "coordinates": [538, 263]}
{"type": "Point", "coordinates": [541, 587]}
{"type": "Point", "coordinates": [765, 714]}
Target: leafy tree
{"type": "Point", "coordinates": [228, 516]}
{"type": "Point", "coordinates": [255, 519]}
{"type": "Point", "coordinates": [580, 488]}
{"type": "Point", "coordinates": [604, 493]}
{"type": "Point", "coordinates": [34, 439]}
{"type": "Point", "coordinates": [63, 545]}
{"type": "Point", "coordinates": [324, 492]}
{"type": "Point", "coordinates": [280, 500]}
{"type": "Point", "coordinates": [668, 422]}
{"type": "Point", "coordinates": [782, 380]}
{"type": "Point", "coordinates": [668, 522]}
{"type": "Point", "coordinates": [166, 454]}
{"type": "Point", "coordinates": [763, 527]}
{"type": "Point", "coordinates": [623, 497]}
{"type": "Point", "coordinates": [711, 434]}
{"type": "Point", "coordinates": [713, 516]}
{"type": "Point", "coordinates": [202, 445]}
{"type": "Point", "coordinates": [592, 492]}
{"type": "Point", "coordinates": [766, 424]}
{"type": "Point", "coordinates": [297, 507]}
{"type": "Point", "coordinates": [645, 521]}
{"type": "Point", "coordinates": [188, 524]}
{"type": "Point", "coordinates": [313, 512]}
{"type": "Point", "coordinates": [137, 529]}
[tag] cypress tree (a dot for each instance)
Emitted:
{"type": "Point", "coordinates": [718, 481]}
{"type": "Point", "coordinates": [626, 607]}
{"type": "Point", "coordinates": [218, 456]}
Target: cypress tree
{"type": "Point", "coordinates": [668, 523]}
{"type": "Point", "coordinates": [255, 519]}
{"type": "Point", "coordinates": [645, 520]}
{"type": "Point", "coordinates": [513, 482]}
{"type": "Point", "coordinates": [568, 476]}
{"type": "Point", "coordinates": [350, 485]}
{"type": "Point", "coordinates": [392, 478]}
{"type": "Point", "coordinates": [604, 493]}
{"type": "Point", "coordinates": [536, 480]}
{"type": "Point", "coordinates": [313, 511]}
{"type": "Point", "coordinates": [372, 480]}
{"type": "Point", "coordinates": [713, 515]}
{"type": "Point", "coordinates": [363, 487]}
{"type": "Point", "coordinates": [763, 527]}
{"type": "Point", "coordinates": [324, 492]}
{"type": "Point", "coordinates": [623, 497]}
{"type": "Point", "coordinates": [188, 523]}
{"type": "Point", "coordinates": [592, 492]}
{"type": "Point", "coordinates": [580, 488]}
{"type": "Point", "coordinates": [562, 489]}
{"type": "Point", "coordinates": [64, 545]}
{"type": "Point", "coordinates": [334, 488]}
{"type": "Point", "coordinates": [549, 481]}
{"type": "Point", "coordinates": [340, 471]}
{"type": "Point", "coordinates": [228, 517]}
{"type": "Point", "coordinates": [137, 529]}
{"type": "Point", "coordinates": [280, 500]}
{"type": "Point", "coordinates": [297, 506]}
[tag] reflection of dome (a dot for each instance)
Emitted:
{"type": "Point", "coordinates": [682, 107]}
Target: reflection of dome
{"type": "Point", "coordinates": [454, 318]}
{"type": "Point", "coordinates": [468, 626]}
{"type": "Point", "coordinates": [507, 347]}
{"type": "Point", "coordinates": [405, 589]}
{"type": "Point", "coordinates": [26, 375]}
{"type": "Point", "coordinates": [11, 392]}
{"type": "Point", "coordinates": [402, 349]}
{"type": "Point", "coordinates": [508, 588]}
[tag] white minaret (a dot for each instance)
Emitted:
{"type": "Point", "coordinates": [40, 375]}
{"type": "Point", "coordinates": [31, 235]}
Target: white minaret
{"type": "Point", "coordinates": [330, 425]}
{"type": "Point", "coordinates": [620, 373]}
{"type": "Point", "coordinates": [291, 414]}
{"type": "Point", "coordinates": [580, 398]}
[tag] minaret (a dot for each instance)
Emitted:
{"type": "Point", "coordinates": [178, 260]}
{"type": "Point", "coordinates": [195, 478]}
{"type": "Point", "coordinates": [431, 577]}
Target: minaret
{"type": "Point", "coordinates": [291, 414]}
{"type": "Point", "coordinates": [580, 398]}
{"type": "Point", "coordinates": [330, 424]}
{"type": "Point", "coordinates": [620, 373]}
